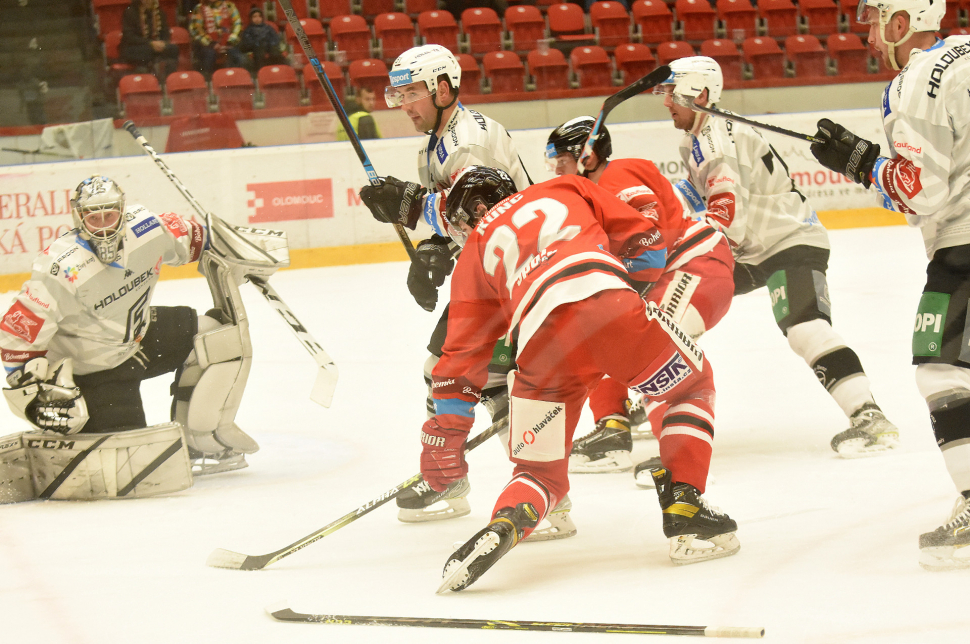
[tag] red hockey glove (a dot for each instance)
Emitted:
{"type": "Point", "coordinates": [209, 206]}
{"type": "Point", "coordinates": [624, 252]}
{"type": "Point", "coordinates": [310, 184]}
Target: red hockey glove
{"type": "Point", "coordinates": [442, 455]}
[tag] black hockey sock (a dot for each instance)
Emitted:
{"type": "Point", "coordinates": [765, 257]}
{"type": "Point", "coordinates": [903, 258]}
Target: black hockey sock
{"type": "Point", "coordinates": [951, 422]}
{"type": "Point", "coordinates": [836, 366]}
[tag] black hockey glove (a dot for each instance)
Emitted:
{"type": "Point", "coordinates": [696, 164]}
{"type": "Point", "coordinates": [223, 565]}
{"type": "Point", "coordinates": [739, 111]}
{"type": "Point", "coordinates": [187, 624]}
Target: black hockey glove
{"type": "Point", "coordinates": [395, 201]}
{"type": "Point", "coordinates": [432, 264]}
{"type": "Point", "coordinates": [844, 152]}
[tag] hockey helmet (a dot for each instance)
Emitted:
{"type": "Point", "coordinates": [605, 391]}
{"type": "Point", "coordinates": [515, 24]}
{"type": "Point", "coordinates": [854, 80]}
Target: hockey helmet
{"type": "Point", "coordinates": [421, 64]}
{"type": "Point", "coordinates": [570, 137]}
{"type": "Point", "coordinates": [690, 76]}
{"type": "Point", "coordinates": [98, 210]}
{"type": "Point", "coordinates": [924, 15]}
{"type": "Point", "coordinates": [474, 186]}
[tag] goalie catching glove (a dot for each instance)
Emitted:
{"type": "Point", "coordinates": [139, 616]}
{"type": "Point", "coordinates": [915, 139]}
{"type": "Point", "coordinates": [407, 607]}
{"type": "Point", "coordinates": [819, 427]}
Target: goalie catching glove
{"type": "Point", "coordinates": [845, 153]}
{"type": "Point", "coordinates": [46, 398]}
{"type": "Point", "coordinates": [394, 201]}
{"type": "Point", "coordinates": [442, 455]}
{"type": "Point", "coordinates": [433, 262]}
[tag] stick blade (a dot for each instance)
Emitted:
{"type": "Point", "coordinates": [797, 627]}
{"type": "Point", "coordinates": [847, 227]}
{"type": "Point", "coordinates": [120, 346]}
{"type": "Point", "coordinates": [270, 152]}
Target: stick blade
{"type": "Point", "coordinates": [325, 385]}
{"type": "Point", "coordinates": [220, 558]}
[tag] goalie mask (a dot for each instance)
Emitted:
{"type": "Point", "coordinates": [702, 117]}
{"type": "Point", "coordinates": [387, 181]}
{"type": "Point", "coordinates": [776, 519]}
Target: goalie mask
{"type": "Point", "coordinates": [415, 74]}
{"type": "Point", "coordinates": [924, 15]}
{"type": "Point", "coordinates": [570, 137]}
{"type": "Point", "coordinates": [475, 186]}
{"type": "Point", "coordinates": [98, 209]}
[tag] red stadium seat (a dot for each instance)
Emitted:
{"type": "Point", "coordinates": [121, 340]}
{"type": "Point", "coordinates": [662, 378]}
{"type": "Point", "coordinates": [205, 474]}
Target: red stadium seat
{"type": "Point", "coordinates": [415, 7]}
{"type": "Point", "coordinates": [568, 22]}
{"type": "Point", "coordinates": [549, 68]}
{"type": "Point", "coordinates": [848, 10]}
{"type": "Point", "coordinates": [330, 9]}
{"type": "Point", "coordinates": [634, 61]}
{"type": "Point", "coordinates": [670, 51]}
{"type": "Point", "coordinates": [822, 16]}
{"type": "Point", "coordinates": [316, 93]}
{"type": "Point", "coordinates": [505, 71]}
{"type": "Point", "coordinates": [116, 68]}
{"type": "Point", "coordinates": [526, 26]}
{"type": "Point", "coordinates": [738, 15]}
{"type": "Point", "coordinates": [188, 92]}
{"type": "Point", "coordinates": [726, 53]}
{"type": "Point", "coordinates": [654, 21]}
{"type": "Point", "coordinates": [372, 74]}
{"type": "Point", "coordinates": [851, 56]}
{"type": "Point", "coordinates": [371, 8]}
{"type": "Point", "coordinates": [698, 19]}
{"type": "Point", "coordinates": [395, 34]}
{"type": "Point", "coordinates": [351, 34]}
{"type": "Point", "coordinates": [780, 16]}
{"type": "Point", "coordinates": [108, 14]}
{"type": "Point", "coordinates": [299, 8]}
{"type": "Point", "coordinates": [180, 37]}
{"type": "Point", "coordinates": [235, 89]}
{"type": "Point", "coordinates": [203, 132]}
{"type": "Point", "coordinates": [483, 29]}
{"type": "Point", "coordinates": [140, 95]}
{"type": "Point", "coordinates": [765, 57]}
{"type": "Point", "coordinates": [592, 66]}
{"type": "Point", "coordinates": [951, 19]}
{"type": "Point", "coordinates": [315, 34]}
{"type": "Point", "coordinates": [611, 23]}
{"type": "Point", "coordinates": [471, 75]}
{"type": "Point", "coordinates": [806, 55]}
{"type": "Point", "coordinates": [279, 86]}
{"type": "Point", "coordinates": [439, 28]}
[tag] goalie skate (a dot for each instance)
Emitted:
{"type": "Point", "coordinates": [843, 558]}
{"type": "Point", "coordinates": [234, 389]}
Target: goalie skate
{"type": "Point", "coordinates": [638, 413]}
{"type": "Point", "coordinates": [420, 503]}
{"type": "Point", "coordinates": [205, 464]}
{"type": "Point", "coordinates": [606, 449]}
{"type": "Point", "coordinates": [948, 547]}
{"type": "Point", "coordinates": [557, 525]}
{"type": "Point", "coordinates": [687, 517]}
{"type": "Point", "coordinates": [480, 553]}
{"type": "Point", "coordinates": [870, 434]}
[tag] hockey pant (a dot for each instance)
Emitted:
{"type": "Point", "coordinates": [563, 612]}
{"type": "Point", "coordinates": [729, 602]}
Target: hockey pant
{"type": "Point", "coordinates": [608, 333]}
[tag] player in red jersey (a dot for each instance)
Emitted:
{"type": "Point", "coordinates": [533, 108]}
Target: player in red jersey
{"type": "Point", "coordinates": [695, 290]}
{"type": "Point", "coordinates": [560, 266]}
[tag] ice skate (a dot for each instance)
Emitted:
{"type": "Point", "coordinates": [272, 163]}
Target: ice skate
{"type": "Point", "coordinates": [688, 517]}
{"type": "Point", "coordinates": [204, 464]}
{"type": "Point", "coordinates": [606, 449]}
{"type": "Point", "coordinates": [948, 547]}
{"type": "Point", "coordinates": [637, 411]}
{"type": "Point", "coordinates": [420, 503]}
{"type": "Point", "coordinates": [557, 525]}
{"type": "Point", "coordinates": [480, 553]}
{"type": "Point", "coordinates": [643, 473]}
{"type": "Point", "coordinates": [870, 434]}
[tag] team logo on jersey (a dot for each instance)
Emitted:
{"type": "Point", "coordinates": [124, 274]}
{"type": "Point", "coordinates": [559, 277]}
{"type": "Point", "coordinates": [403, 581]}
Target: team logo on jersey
{"type": "Point", "coordinates": [441, 152]}
{"type": "Point", "coordinates": [55, 269]}
{"type": "Point", "coordinates": [690, 194]}
{"type": "Point", "coordinates": [145, 226]}
{"type": "Point", "coordinates": [71, 273]}
{"type": "Point", "coordinates": [721, 208]}
{"type": "Point", "coordinates": [907, 175]}
{"type": "Point", "coordinates": [666, 378]}
{"type": "Point", "coordinates": [695, 150]}
{"type": "Point", "coordinates": [174, 224]}
{"type": "Point", "coordinates": [22, 322]}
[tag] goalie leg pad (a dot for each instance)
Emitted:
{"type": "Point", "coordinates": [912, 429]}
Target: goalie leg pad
{"type": "Point", "coordinates": [15, 481]}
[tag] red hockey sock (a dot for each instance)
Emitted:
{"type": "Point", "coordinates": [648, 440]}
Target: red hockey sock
{"type": "Point", "coordinates": [686, 442]}
{"type": "Point", "coordinates": [524, 489]}
{"type": "Point", "coordinates": [655, 415]}
{"type": "Point", "coordinates": [608, 398]}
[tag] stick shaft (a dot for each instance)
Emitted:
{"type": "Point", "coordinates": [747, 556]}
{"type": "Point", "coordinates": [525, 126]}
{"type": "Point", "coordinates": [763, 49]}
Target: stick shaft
{"type": "Point", "coordinates": [762, 126]}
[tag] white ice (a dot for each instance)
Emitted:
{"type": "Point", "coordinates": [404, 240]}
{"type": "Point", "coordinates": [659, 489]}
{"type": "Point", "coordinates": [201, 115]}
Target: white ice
{"type": "Point", "coordinates": [829, 546]}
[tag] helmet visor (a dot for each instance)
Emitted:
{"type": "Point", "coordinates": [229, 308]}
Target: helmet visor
{"type": "Point", "coordinates": [398, 96]}
{"type": "Point", "coordinates": [866, 14]}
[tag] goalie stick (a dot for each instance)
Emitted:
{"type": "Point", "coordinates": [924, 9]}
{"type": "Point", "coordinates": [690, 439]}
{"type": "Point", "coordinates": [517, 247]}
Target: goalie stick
{"type": "Point", "coordinates": [649, 81]}
{"type": "Point", "coordinates": [338, 107]}
{"type": "Point", "coordinates": [327, 375]}
{"type": "Point", "coordinates": [220, 558]}
{"type": "Point", "coordinates": [283, 613]}
{"type": "Point", "coordinates": [687, 101]}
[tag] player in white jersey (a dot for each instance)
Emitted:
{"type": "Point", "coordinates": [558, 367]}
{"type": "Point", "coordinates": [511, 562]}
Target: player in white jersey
{"type": "Point", "coordinates": [742, 186]}
{"type": "Point", "coordinates": [87, 306]}
{"type": "Point", "coordinates": [926, 116]}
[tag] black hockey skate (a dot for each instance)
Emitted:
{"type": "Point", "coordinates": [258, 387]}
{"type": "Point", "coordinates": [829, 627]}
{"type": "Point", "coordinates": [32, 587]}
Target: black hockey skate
{"type": "Point", "coordinates": [688, 516]}
{"type": "Point", "coordinates": [638, 413]}
{"type": "Point", "coordinates": [606, 449]}
{"type": "Point", "coordinates": [643, 473]}
{"type": "Point", "coordinates": [870, 434]}
{"type": "Point", "coordinates": [420, 503]}
{"type": "Point", "coordinates": [490, 544]}
{"type": "Point", "coordinates": [948, 547]}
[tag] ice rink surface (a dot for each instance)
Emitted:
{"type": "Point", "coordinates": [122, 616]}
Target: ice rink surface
{"type": "Point", "coordinates": [829, 546]}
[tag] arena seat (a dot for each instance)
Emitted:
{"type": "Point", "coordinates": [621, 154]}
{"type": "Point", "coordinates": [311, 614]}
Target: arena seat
{"type": "Point", "coordinates": [848, 10]}
{"type": "Point", "coordinates": [780, 16]}
{"type": "Point", "coordinates": [851, 56]}
{"type": "Point", "coordinates": [633, 61]}
{"type": "Point", "coordinates": [549, 68]}
{"type": "Point", "coordinates": [727, 55]}
{"type": "Point", "coordinates": [737, 15]}
{"type": "Point", "coordinates": [653, 20]}
{"type": "Point", "coordinates": [181, 38]}
{"type": "Point", "coordinates": [315, 33]}
{"type": "Point", "coordinates": [439, 28]}
{"type": "Point", "coordinates": [188, 93]}
{"type": "Point", "coordinates": [415, 7]}
{"type": "Point", "coordinates": [806, 55]}
{"type": "Point", "coordinates": [115, 66]}
{"type": "Point", "coordinates": [611, 23]}
{"type": "Point", "coordinates": [471, 75]}
{"type": "Point", "coordinates": [316, 95]}
{"type": "Point", "coordinates": [592, 66]}
{"type": "Point", "coordinates": [351, 34]}
{"type": "Point", "coordinates": [504, 71]}
{"type": "Point", "coordinates": [372, 74]}
{"type": "Point", "coordinates": [766, 58]}
{"type": "Point", "coordinates": [526, 26]}
{"type": "Point", "coordinates": [822, 16]}
{"type": "Point", "coordinates": [108, 14]}
{"type": "Point", "coordinates": [483, 30]}
{"type": "Point", "coordinates": [327, 10]}
{"type": "Point", "coordinates": [672, 50]}
{"type": "Point", "coordinates": [372, 8]}
{"type": "Point", "coordinates": [235, 89]}
{"type": "Point", "coordinates": [140, 96]}
{"type": "Point", "coordinates": [697, 18]}
{"type": "Point", "coordinates": [567, 22]}
{"type": "Point", "coordinates": [279, 86]}
{"type": "Point", "coordinates": [395, 34]}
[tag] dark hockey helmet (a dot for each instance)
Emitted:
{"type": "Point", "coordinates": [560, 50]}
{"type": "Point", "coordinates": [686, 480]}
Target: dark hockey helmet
{"type": "Point", "coordinates": [570, 137]}
{"type": "Point", "coordinates": [475, 185]}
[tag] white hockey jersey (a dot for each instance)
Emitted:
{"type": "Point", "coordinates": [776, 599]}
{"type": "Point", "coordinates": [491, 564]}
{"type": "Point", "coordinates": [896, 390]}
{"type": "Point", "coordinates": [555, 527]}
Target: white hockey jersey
{"type": "Point", "coordinates": [747, 191]}
{"type": "Point", "coordinates": [926, 115]}
{"type": "Point", "coordinates": [73, 306]}
{"type": "Point", "coordinates": [469, 138]}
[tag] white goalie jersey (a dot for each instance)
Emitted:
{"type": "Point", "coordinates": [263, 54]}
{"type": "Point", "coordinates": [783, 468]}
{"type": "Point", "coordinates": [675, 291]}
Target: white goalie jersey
{"type": "Point", "coordinates": [469, 139]}
{"type": "Point", "coordinates": [74, 306]}
{"type": "Point", "coordinates": [926, 115]}
{"type": "Point", "coordinates": [747, 191]}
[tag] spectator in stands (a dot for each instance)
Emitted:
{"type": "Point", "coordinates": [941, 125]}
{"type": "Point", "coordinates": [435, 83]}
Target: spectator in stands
{"type": "Point", "coordinates": [360, 115]}
{"type": "Point", "coordinates": [146, 39]}
{"type": "Point", "coordinates": [262, 42]}
{"type": "Point", "coordinates": [215, 26]}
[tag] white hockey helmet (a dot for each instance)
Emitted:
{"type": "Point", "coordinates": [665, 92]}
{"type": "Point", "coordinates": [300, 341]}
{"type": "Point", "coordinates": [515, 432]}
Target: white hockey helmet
{"type": "Point", "coordinates": [924, 15]}
{"type": "Point", "coordinates": [692, 75]}
{"type": "Point", "coordinates": [425, 63]}
{"type": "Point", "coordinates": [98, 210]}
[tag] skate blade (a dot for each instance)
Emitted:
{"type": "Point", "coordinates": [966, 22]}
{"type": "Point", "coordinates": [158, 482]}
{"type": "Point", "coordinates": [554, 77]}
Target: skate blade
{"type": "Point", "coordinates": [860, 448]}
{"type": "Point", "coordinates": [944, 558]}
{"type": "Point", "coordinates": [643, 434]}
{"type": "Point", "coordinates": [206, 466]}
{"type": "Point", "coordinates": [440, 511]}
{"type": "Point", "coordinates": [455, 575]}
{"type": "Point", "coordinates": [613, 461]}
{"type": "Point", "coordinates": [558, 525]}
{"type": "Point", "coordinates": [684, 552]}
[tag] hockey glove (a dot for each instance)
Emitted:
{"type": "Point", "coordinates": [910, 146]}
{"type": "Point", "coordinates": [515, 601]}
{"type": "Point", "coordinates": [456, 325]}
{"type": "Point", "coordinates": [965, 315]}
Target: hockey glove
{"type": "Point", "coordinates": [442, 455]}
{"type": "Point", "coordinates": [394, 201]}
{"type": "Point", "coordinates": [432, 264]}
{"type": "Point", "coordinates": [48, 400]}
{"type": "Point", "coordinates": [844, 152]}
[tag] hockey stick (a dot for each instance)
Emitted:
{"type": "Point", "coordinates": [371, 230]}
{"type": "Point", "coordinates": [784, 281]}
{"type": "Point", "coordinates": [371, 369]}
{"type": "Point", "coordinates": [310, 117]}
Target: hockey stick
{"type": "Point", "coordinates": [326, 382]}
{"type": "Point", "coordinates": [220, 558]}
{"type": "Point", "coordinates": [338, 107]}
{"type": "Point", "coordinates": [282, 612]}
{"type": "Point", "coordinates": [687, 101]}
{"type": "Point", "coordinates": [649, 81]}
